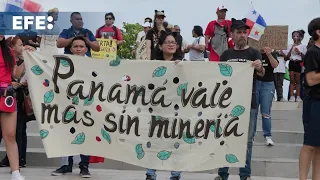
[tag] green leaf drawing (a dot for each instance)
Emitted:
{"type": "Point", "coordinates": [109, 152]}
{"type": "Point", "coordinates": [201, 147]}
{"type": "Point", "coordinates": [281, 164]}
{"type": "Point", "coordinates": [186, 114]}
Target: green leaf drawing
{"type": "Point", "coordinates": [88, 102]}
{"type": "Point", "coordinates": [139, 151]}
{"type": "Point", "coordinates": [79, 139]}
{"type": "Point", "coordinates": [64, 63]}
{"type": "Point", "coordinates": [158, 117]}
{"type": "Point", "coordinates": [115, 62]}
{"type": "Point", "coordinates": [225, 69]}
{"type": "Point", "coordinates": [140, 93]}
{"type": "Point", "coordinates": [48, 96]}
{"type": "Point", "coordinates": [44, 133]}
{"type": "Point", "coordinates": [69, 115]}
{"type": "Point", "coordinates": [213, 129]}
{"type": "Point", "coordinates": [231, 158]}
{"type": "Point", "coordinates": [188, 140]}
{"type": "Point", "coordinates": [36, 70]}
{"type": "Point", "coordinates": [106, 135]}
{"type": "Point", "coordinates": [164, 155]}
{"type": "Point", "coordinates": [237, 111]}
{"type": "Point", "coordinates": [75, 100]}
{"type": "Point", "coordinates": [181, 87]}
{"type": "Point", "coordinates": [159, 71]}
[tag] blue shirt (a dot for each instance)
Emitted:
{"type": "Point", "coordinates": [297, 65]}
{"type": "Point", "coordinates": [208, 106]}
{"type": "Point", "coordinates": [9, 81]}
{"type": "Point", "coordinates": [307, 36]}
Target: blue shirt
{"type": "Point", "coordinates": [70, 33]}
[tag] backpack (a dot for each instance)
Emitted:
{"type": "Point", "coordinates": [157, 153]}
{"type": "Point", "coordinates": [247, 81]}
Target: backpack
{"type": "Point", "coordinates": [219, 40]}
{"type": "Point", "coordinates": [205, 54]}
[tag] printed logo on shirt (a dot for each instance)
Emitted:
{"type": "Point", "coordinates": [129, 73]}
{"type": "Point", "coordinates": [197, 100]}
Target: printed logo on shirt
{"type": "Point", "coordinates": [107, 35]}
{"type": "Point", "coordinates": [237, 60]}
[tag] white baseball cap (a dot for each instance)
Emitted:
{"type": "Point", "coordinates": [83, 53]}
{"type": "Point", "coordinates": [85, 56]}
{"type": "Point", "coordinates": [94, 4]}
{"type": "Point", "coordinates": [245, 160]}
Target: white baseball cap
{"type": "Point", "coordinates": [147, 24]}
{"type": "Point", "coordinates": [222, 8]}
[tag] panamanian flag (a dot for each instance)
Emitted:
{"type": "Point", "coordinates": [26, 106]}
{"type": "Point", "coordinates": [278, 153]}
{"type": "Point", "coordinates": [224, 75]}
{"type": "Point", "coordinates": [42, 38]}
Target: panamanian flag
{"type": "Point", "coordinates": [256, 23]}
{"type": "Point", "coordinates": [23, 6]}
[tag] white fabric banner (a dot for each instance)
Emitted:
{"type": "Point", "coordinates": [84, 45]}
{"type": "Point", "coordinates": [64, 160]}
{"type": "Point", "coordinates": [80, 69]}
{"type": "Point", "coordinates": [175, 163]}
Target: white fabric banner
{"type": "Point", "coordinates": [190, 116]}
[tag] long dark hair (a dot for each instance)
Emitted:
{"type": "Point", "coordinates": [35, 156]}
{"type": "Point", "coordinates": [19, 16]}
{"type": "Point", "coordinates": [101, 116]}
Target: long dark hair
{"type": "Point", "coordinates": [6, 54]}
{"type": "Point", "coordinates": [162, 38]}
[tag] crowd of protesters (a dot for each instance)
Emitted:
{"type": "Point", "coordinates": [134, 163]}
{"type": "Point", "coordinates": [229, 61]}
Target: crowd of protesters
{"type": "Point", "coordinates": [222, 40]}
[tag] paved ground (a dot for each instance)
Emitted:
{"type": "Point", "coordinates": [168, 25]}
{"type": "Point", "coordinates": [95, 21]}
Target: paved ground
{"type": "Point", "coordinates": [101, 174]}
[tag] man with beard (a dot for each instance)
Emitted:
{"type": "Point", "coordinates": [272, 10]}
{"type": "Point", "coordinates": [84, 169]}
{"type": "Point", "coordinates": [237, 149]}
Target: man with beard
{"type": "Point", "coordinates": [243, 53]}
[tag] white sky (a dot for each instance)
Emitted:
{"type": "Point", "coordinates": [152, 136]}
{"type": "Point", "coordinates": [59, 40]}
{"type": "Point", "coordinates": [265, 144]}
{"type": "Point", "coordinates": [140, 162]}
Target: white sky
{"type": "Point", "coordinates": [187, 13]}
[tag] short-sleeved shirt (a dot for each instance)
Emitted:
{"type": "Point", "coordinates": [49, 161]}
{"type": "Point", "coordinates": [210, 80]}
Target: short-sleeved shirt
{"type": "Point", "coordinates": [268, 76]}
{"type": "Point", "coordinates": [70, 33]}
{"type": "Point", "coordinates": [312, 63]}
{"type": "Point", "coordinates": [108, 32]}
{"type": "Point", "coordinates": [49, 40]}
{"type": "Point", "coordinates": [250, 54]}
{"type": "Point", "coordinates": [195, 55]}
{"type": "Point", "coordinates": [154, 38]}
{"type": "Point", "coordinates": [5, 73]}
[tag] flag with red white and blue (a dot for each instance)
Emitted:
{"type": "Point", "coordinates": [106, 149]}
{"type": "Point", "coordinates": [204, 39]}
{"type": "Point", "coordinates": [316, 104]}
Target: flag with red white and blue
{"type": "Point", "coordinates": [257, 24]}
{"type": "Point", "coordinates": [23, 6]}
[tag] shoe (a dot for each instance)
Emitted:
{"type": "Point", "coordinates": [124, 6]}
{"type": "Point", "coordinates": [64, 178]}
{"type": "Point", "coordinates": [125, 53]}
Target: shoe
{"type": "Point", "coordinates": [218, 178]}
{"type": "Point", "coordinates": [269, 141]}
{"type": "Point", "coordinates": [18, 178]}
{"type": "Point", "coordinates": [248, 178]}
{"type": "Point", "coordinates": [292, 99]}
{"type": "Point", "coordinates": [149, 178]}
{"type": "Point", "coordinates": [298, 99]}
{"type": "Point", "coordinates": [5, 162]}
{"type": "Point", "coordinates": [84, 173]}
{"type": "Point", "coordinates": [282, 100]}
{"type": "Point", "coordinates": [65, 169]}
{"type": "Point", "coordinates": [176, 178]}
{"type": "Point", "coordinates": [22, 163]}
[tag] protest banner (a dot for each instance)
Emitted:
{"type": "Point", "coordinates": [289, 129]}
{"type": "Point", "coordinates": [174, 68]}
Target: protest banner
{"type": "Point", "coordinates": [275, 37]}
{"type": "Point", "coordinates": [190, 116]}
{"type": "Point", "coordinates": [108, 49]}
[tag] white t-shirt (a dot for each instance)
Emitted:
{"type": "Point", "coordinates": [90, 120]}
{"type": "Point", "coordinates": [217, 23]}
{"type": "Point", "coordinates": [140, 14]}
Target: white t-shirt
{"type": "Point", "coordinates": [49, 42]}
{"type": "Point", "coordinates": [195, 55]}
{"type": "Point", "coordinates": [140, 35]}
{"type": "Point", "coordinates": [281, 68]}
{"type": "Point", "coordinates": [294, 56]}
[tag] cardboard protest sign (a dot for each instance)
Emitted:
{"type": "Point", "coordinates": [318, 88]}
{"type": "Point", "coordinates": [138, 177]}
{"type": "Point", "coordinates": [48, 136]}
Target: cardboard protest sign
{"type": "Point", "coordinates": [275, 37]}
{"type": "Point", "coordinates": [108, 49]}
{"type": "Point", "coordinates": [190, 116]}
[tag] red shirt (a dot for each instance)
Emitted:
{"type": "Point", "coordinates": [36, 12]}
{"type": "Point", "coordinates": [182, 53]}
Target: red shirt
{"type": "Point", "coordinates": [5, 74]}
{"type": "Point", "coordinates": [210, 32]}
{"type": "Point", "coordinates": [108, 32]}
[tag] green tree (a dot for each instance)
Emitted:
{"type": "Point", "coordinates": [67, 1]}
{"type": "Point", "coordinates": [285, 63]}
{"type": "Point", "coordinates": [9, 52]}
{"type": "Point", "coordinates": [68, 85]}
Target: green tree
{"type": "Point", "coordinates": [129, 35]}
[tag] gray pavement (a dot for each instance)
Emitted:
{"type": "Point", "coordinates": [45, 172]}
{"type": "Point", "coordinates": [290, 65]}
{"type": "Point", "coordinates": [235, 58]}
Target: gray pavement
{"type": "Point", "coordinates": [103, 174]}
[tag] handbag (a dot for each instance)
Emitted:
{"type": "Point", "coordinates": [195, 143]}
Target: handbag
{"type": "Point", "coordinates": [287, 75]}
{"type": "Point", "coordinates": [27, 104]}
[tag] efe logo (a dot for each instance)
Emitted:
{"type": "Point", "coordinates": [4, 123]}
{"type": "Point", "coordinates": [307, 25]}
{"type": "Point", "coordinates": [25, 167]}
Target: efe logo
{"type": "Point", "coordinates": [23, 22]}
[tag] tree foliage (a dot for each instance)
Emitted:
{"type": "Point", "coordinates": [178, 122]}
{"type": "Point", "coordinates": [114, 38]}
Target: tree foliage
{"type": "Point", "coordinates": [129, 35]}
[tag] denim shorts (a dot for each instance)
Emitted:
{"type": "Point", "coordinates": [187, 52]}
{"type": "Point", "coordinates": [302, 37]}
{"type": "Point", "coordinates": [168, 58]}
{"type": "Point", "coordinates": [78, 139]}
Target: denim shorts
{"type": "Point", "coordinates": [311, 121]}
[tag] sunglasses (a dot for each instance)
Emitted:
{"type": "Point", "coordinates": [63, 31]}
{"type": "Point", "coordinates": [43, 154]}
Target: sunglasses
{"type": "Point", "coordinates": [109, 18]}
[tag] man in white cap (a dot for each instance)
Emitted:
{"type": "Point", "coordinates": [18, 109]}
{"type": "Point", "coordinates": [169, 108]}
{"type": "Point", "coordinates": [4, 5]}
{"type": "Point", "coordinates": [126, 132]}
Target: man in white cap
{"type": "Point", "coordinates": [141, 52]}
{"type": "Point", "coordinates": [146, 26]}
{"type": "Point", "coordinates": [217, 35]}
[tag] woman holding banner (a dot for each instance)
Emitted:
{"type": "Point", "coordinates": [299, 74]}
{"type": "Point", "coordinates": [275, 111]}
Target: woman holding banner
{"type": "Point", "coordinates": [8, 111]}
{"type": "Point", "coordinates": [168, 52]}
{"type": "Point", "coordinates": [24, 111]}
